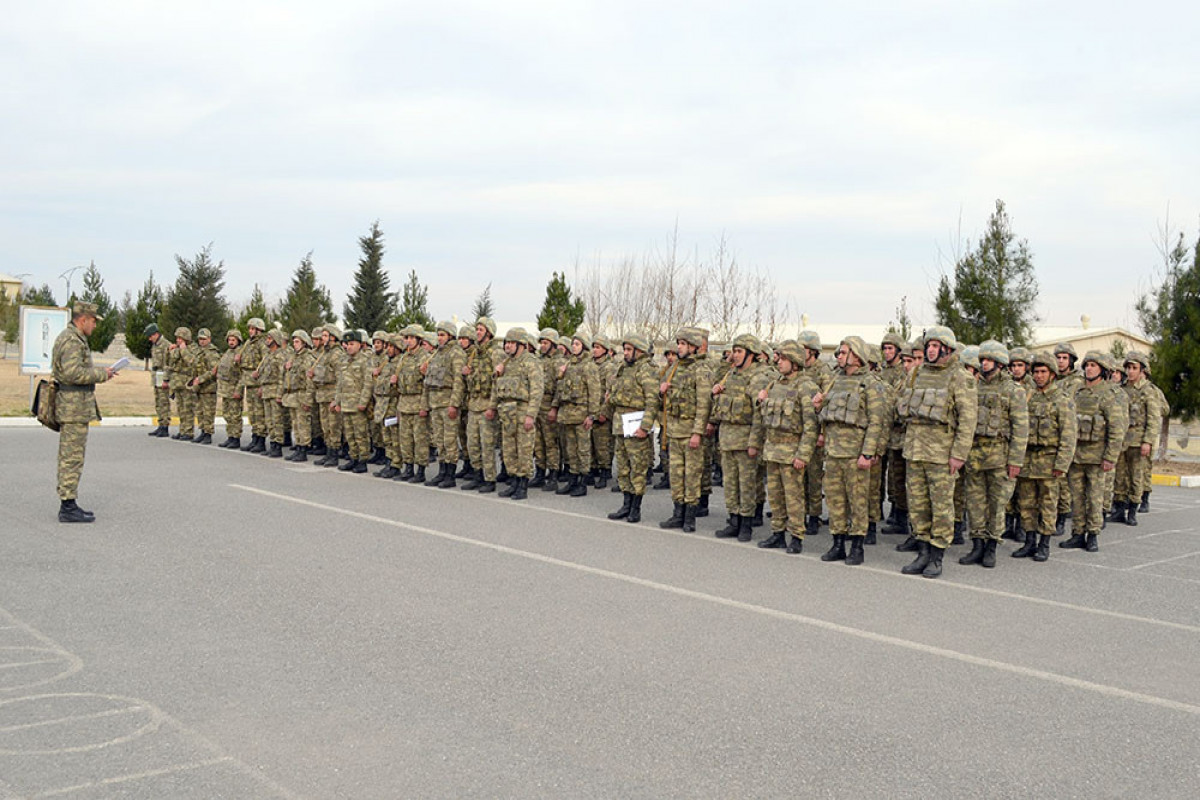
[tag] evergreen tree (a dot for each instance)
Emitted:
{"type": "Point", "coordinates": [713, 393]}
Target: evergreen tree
{"type": "Point", "coordinates": [413, 305]}
{"type": "Point", "coordinates": [196, 300]}
{"type": "Point", "coordinates": [994, 288]}
{"type": "Point", "coordinates": [903, 322]}
{"type": "Point", "coordinates": [256, 307]}
{"type": "Point", "coordinates": [39, 297]}
{"type": "Point", "coordinates": [148, 308]}
{"type": "Point", "coordinates": [93, 292]}
{"type": "Point", "coordinates": [370, 305]}
{"type": "Point", "coordinates": [1170, 315]}
{"type": "Point", "coordinates": [483, 304]}
{"type": "Point", "coordinates": [307, 304]}
{"type": "Point", "coordinates": [10, 319]}
{"type": "Point", "coordinates": [559, 311]}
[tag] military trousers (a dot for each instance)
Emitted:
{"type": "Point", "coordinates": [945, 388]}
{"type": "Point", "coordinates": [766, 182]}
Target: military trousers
{"type": "Point", "coordinates": [331, 425]}
{"type": "Point", "coordinates": [634, 459]}
{"type": "Point", "coordinates": [848, 495]}
{"type": "Point", "coordinates": [72, 445]}
{"type": "Point", "coordinates": [414, 439]}
{"type": "Point", "coordinates": [687, 469]}
{"type": "Point", "coordinates": [814, 479]}
{"type": "Point", "coordinates": [1087, 497]}
{"type": "Point", "coordinates": [206, 411]}
{"type": "Point", "coordinates": [875, 491]}
{"type": "Point", "coordinates": [162, 404]}
{"type": "Point", "coordinates": [256, 411]}
{"type": "Point", "coordinates": [302, 424]}
{"type": "Point", "coordinates": [602, 445]}
{"type": "Point", "coordinates": [760, 482]}
{"type": "Point", "coordinates": [930, 490]}
{"type": "Point", "coordinates": [1110, 482]}
{"type": "Point", "coordinates": [1037, 500]}
{"type": "Point", "coordinates": [231, 412]}
{"type": "Point", "coordinates": [185, 400]}
{"type": "Point", "coordinates": [741, 475]}
{"type": "Point", "coordinates": [546, 451]}
{"type": "Point", "coordinates": [443, 434]}
{"type": "Point", "coordinates": [896, 490]}
{"type": "Point", "coordinates": [273, 411]}
{"type": "Point", "coordinates": [712, 452]}
{"type": "Point", "coordinates": [482, 438]}
{"type": "Point", "coordinates": [577, 448]}
{"type": "Point", "coordinates": [1131, 471]}
{"type": "Point", "coordinates": [357, 429]}
{"type": "Point", "coordinates": [987, 492]}
{"type": "Point", "coordinates": [785, 490]}
{"type": "Point", "coordinates": [517, 443]}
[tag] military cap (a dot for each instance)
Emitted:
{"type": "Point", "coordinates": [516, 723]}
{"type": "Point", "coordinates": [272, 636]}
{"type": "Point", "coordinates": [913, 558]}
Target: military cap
{"type": "Point", "coordinates": [1021, 354]}
{"type": "Point", "coordinates": [748, 342]}
{"type": "Point", "coordinates": [637, 342]}
{"type": "Point", "coordinates": [970, 356]}
{"type": "Point", "coordinates": [515, 335]}
{"type": "Point", "coordinates": [183, 333]}
{"type": "Point", "coordinates": [466, 332]}
{"type": "Point", "coordinates": [994, 350]}
{"type": "Point", "coordinates": [83, 308]}
{"type": "Point", "coordinates": [894, 339]}
{"type": "Point", "coordinates": [583, 337]}
{"type": "Point", "coordinates": [564, 341]}
{"type": "Point", "coordinates": [874, 354]}
{"type": "Point", "coordinates": [380, 335]}
{"type": "Point", "coordinates": [303, 336]}
{"type": "Point", "coordinates": [236, 334]}
{"type": "Point", "coordinates": [793, 352]}
{"type": "Point", "coordinates": [351, 336]}
{"type": "Point", "coordinates": [203, 333]}
{"type": "Point", "coordinates": [548, 333]}
{"type": "Point", "coordinates": [940, 333]}
{"type": "Point", "coordinates": [1044, 359]}
{"type": "Point", "coordinates": [1065, 347]}
{"type": "Point", "coordinates": [1137, 357]}
{"type": "Point", "coordinates": [277, 336]}
{"type": "Point", "coordinates": [334, 331]}
{"type": "Point", "coordinates": [256, 322]}
{"type": "Point", "coordinates": [809, 340]}
{"type": "Point", "coordinates": [150, 330]}
{"type": "Point", "coordinates": [449, 327]}
{"type": "Point", "coordinates": [488, 323]}
{"type": "Point", "coordinates": [690, 335]}
{"type": "Point", "coordinates": [858, 347]}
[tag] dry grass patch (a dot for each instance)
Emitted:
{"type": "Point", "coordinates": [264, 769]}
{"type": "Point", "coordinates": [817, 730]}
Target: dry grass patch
{"type": "Point", "coordinates": [127, 395]}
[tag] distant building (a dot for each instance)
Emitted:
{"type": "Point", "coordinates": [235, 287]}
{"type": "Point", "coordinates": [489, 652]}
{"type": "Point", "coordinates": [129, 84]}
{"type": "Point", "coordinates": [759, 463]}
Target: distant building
{"type": "Point", "coordinates": [10, 285]}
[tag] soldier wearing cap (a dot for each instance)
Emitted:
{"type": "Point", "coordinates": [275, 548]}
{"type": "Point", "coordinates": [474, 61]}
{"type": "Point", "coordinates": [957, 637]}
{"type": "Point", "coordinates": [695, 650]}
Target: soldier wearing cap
{"type": "Point", "coordinates": [997, 453]}
{"type": "Point", "coordinates": [298, 392]}
{"type": "Point", "coordinates": [249, 358]}
{"type": "Point", "coordinates": [75, 407]}
{"type": "Point", "coordinates": [821, 375]}
{"type": "Point", "coordinates": [734, 399]}
{"type": "Point", "coordinates": [483, 435]}
{"type": "Point", "coordinates": [229, 389]}
{"type": "Point", "coordinates": [602, 433]}
{"type": "Point", "coordinates": [516, 394]}
{"type": "Point", "coordinates": [687, 402]}
{"type": "Point", "coordinates": [444, 367]}
{"type": "Point", "coordinates": [181, 360]}
{"type": "Point", "coordinates": [634, 390]}
{"type": "Point", "coordinates": [327, 365]}
{"type": "Point", "coordinates": [574, 409]}
{"type": "Point", "coordinates": [352, 400]}
{"type": "Point", "coordinates": [853, 421]}
{"type": "Point", "coordinates": [941, 408]}
{"type": "Point", "coordinates": [412, 414]}
{"type": "Point", "coordinates": [785, 433]}
{"type": "Point", "coordinates": [1101, 420]}
{"type": "Point", "coordinates": [547, 454]}
{"type": "Point", "coordinates": [270, 391]}
{"type": "Point", "coordinates": [159, 349]}
{"type": "Point", "coordinates": [1052, 438]}
{"type": "Point", "coordinates": [1145, 419]}
{"type": "Point", "coordinates": [204, 383]}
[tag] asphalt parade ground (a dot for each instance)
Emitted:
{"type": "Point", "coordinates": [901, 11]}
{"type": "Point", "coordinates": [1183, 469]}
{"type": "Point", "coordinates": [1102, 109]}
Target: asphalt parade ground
{"type": "Point", "coordinates": [234, 626]}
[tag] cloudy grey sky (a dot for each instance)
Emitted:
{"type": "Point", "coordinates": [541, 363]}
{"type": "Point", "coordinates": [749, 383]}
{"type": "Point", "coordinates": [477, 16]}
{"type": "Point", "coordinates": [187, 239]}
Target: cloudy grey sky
{"type": "Point", "coordinates": [836, 144]}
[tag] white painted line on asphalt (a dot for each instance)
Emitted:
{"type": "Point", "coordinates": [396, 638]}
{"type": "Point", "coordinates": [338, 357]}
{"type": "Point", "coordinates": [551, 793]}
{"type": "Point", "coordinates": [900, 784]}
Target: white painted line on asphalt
{"type": "Point", "coordinates": [137, 776]}
{"type": "Point", "coordinates": [1167, 560]}
{"type": "Point", "coordinates": [112, 712]}
{"type": "Point", "coordinates": [880, 638]}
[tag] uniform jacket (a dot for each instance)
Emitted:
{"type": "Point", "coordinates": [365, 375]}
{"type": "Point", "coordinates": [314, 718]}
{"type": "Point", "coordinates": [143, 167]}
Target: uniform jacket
{"type": "Point", "coordinates": [634, 388]}
{"type": "Point", "coordinates": [1145, 413]}
{"type": "Point", "coordinates": [577, 392]}
{"type": "Point", "coordinates": [1052, 432]}
{"type": "Point", "coordinates": [521, 384]}
{"type": "Point", "coordinates": [735, 405]}
{"type": "Point", "coordinates": [1101, 419]}
{"type": "Point", "coordinates": [253, 351]}
{"type": "Point", "coordinates": [940, 407]}
{"type": "Point", "coordinates": [1002, 425]}
{"type": "Point", "coordinates": [205, 366]}
{"type": "Point", "coordinates": [853, 416]}
{"type": "Point", "coordinates": [410, 383]}
{"type": "Point", "coordinates": [158, 355]}
{"type": "Point", "coordinates": [785, 423]}
{"type": "Point", "coordinates": [444, 367]}
{"type": "Point", "coordinates": [688, 401]}
{"type": "Point", "coordinates": [72, 368]}
{"type": "Point", "coordinates": [354, 383]}
{"type": "Point", "coordinates": [229, 374]}
{"type": "Point", "coordinates": [476, 388]}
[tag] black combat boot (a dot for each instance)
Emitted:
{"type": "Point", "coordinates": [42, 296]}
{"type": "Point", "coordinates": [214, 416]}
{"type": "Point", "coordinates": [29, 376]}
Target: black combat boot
{"type": "Point", "coordinates": [919, 563]}
{"type": "Point", "coordinates": [318, 447]}
{"type": "Point", "coordinates": [1043, 549]}
{"type": "Point", "coordinates": [205, 438]}
{"type": "Point", "coordinates": [909, 545]}
{"type": "Point", "coordinates": [68, 511]}
{"type": "Point", "coordinates": [976, 554]}
{"type": "Point", "coordinates": [405, 474]}
{"type": "Point", "coordinates": [600, 479]}
{"type": "Point", "coordinates": [891, 518]}
{"type": "Point", "coordinates": [616, 487]}
{"type": "Point", "coordinates": [344, 450]}
{"type": "Point", "coordinates": [448, 481]}
{"type": "Point", "coordinates": [473, 480]}
{"type": "Point", "coordinates": [1117, 512]}
{"type": "Point", "coordinates": [1060, 525]}
{"type": "Point", "coordinates": [989, 554]}
{"type": "Point", "coordinates": [418, 475]}
{"type": "Point", "coordinates": [522, 490]}
{"type": "Point", "coordinates": [359, 467]}
{"type": "Point", "coordinates": [635, 509]}
{"type": "Point", "coordinates": [276, 451]}
{"type": "Point", "coordinates": [757, 519]}
{"type": "Point", "coordinates": [664, 481]}
{"type": "Point", "coordinates": [566, 486]}
{"type": "Point", "coordinates": [1076, 541]}
{"type": "Point", "coordinates": [1030, 546]}
{"type": "Point", "coordinates": [1144, 508]}
{"type": "Point", "coordinates": [259, 446]}
{"type": "Point", "coordinates": [466, 470]}
{"type": "Point", "coordinates": [539, 478]}
{"type": "Point", "coordinates": [1090, 544]}
{"type": "Point", "coordinates": [689, 519]}
{"type": "Point", "coordinates": [502, 476]}
{"type": "Point", "coordinates": [776, 539]}
{"type": "Point", "coordinates": [899, 524]}
{"type": "Point", "coordinates": [509, 487]}
{"type": "Point", "coordinates": [812, 525]}
{"type": "Point", "coordinates": [745, 528]}
{"type": "Point", "coordinates": [1012, 530]}
{"type": "Point", "coordinates": [702, 508]}
{"type": "Point", "coordinates": [199, 435]}
{"type": "Point", "coordinates": [487, 487]}
{"type": "Point", "coordinates": [626, 507]}
{"type": "Point", "coordinates": [732, 526]}
{"type": "Point", "coordinates": [250, 444]}
{"type": "Point", "coordinates": [348, 466]}
{"type": "Point", "coordinates": [287, 439]}
{"type": "Point", "coordinates": [588, 479]}
{"type": "Point", "coordinates": [870, 537]}
{"type": "Point", "coordinates": [856, 556]}
{"type": "Point", "coordinates": [836, 551]}
{"type": "Point", "coordinates": [579, 488]}
{"type": "Point", "coordinates": [718, 474]}
{"type": "Point", "coordinates": [675, 520]}
{"type": "Point", "coordinates": [331, 460]}
{"type": "Point", "coordinates": [795, 546]}
{"type": "Point", "coordinates": [1131, 510]}
{"type": "Point", "coordinates": [436, 478]}
{"type": "Point", "coordinates": [231, 443]}
{"type": "Point", "coordinates": [958, 531]}
{"type": "Point", "coordinates": [551, 482]}
{"type": "Point", "coordinates": [301, 454]}
{"type": "Point", "coordinates": [934, 568]}
{"type": "Point", "coordinates": [376, 457]}
{"type": "Point", "coordinates": [387, 473]}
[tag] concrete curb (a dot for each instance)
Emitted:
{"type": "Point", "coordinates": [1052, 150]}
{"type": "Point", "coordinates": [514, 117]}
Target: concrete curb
{"type": "Point", "coordinates": [1184, 481]}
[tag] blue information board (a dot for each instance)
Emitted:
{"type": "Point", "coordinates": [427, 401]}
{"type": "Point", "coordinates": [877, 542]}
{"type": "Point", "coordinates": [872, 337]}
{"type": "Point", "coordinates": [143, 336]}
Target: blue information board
{"type": "Point", "coordinates": [39, 328]}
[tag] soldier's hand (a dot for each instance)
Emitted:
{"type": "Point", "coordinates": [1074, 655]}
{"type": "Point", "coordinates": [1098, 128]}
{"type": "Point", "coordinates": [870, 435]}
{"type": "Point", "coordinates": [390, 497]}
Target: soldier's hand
{"type": "Point", "coordinates": [752, 452]}
{"type": "Point", "coordinates": [423, 413]}
{"type": "Point", "coordinates": [1013, 472]}
{"type": "Point", "coordinates": [799, 464]}
{"type": "Point", "coordinates": [500, 368]}
{"type": "Point", "coordinates": [553, 415]}
{"type": "Point", "coordinates": [237, 397]}
{"type": "Point", "coordinates": [762, 395]}
{"type": "Point", "coordinates": [489, 414]}
{"type": "Point", "coordinates": [466, 370]}
{"type": "Point", "coordinates": [1058, 473]}
{"type": "Point", "coordinates": [863, 462]}
{"type": "Point", "coordinates": [694, 442]}
{"type": "Point", "coordinates": [587, 424]}
{"type": "Point", "coordinates": [424, 367]}
{"type": "Point", "coordinates": [452, 412]}
{"type": "Point", "coordinates": [394, 380]}
{"type": "Point", "coordinates": [287, 365]}
{"type": "Point", "coordinates": [362, 408]}
{"type": "Point", "coordinates": [664, 387]}
{"type": "Point", "coordinates": [254, 375]}
{"type": "Point", "coordinates": [718, 389]}
{"type": "Point", "coordinates": [1107, 466]}
{"type": "Point", "coordinates": [375, 372]}
{"type": "Point", "coordinates": [640, 433]}
{"type": "Point", "coordinates": [955, 465]}
{"type": "Point", "coordinates": [562, 370]}
{"type": "Point", "coordinates": [306, 408]}
{"type": "Point", "coordinates": [710, 429]}
{"type": "Point", "coordinates": [258, 392]}
{"type": "Point", "coordinates": [821, 440]}
{"type": "Point", "coordinates": [309, 373]}
{"type": "Point", "coordinates": [1146, 450]}
{"type": "Point", "coordinates": [335, 408]}
{"type": "Point", "coordinates": [108, 372]}
{"type": "Point", "coordinates": [529, 423]}
{"type": "Point", "coordinates": [818, 398]}
{"type": "Point", "coordinates": [601, 419]}
{"type": "Point", "coordinates": [236, 359]}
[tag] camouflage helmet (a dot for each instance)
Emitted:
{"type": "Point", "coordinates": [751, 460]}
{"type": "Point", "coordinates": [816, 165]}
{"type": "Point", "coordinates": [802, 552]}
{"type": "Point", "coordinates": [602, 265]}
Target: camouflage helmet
{"type": "Point", "coordinates": [466, 332]}
{"type": "Point", "coordinates": [1100, 358]}
{"type": "Point", "coordinates": [1020, 354]}
{"type": "Point", "coordinates": [874, 354]}
{"type": "Point", "coordinates": [1044, 359]}
{"type": "Point", "coordinates": [334, 331]}
{"type": "Point", "coordinates": [748, 342]}
{"type": "Point", "coordinates": [793, 352]}
{"type": "Point", "coordinates": [449, 327]}
{"type": "Point", "coordinates": [1065, 347]}
{"type": "Point", "coordinates": [381, 336]}
{"type": "Point", "coordinates": [563, 341]}
{"type": "Point", "coordinates": [940, 333]}
{"type": "Point", "coordinates": [809, 340]}
{"type": "Point", "coordinates": [894, 339]}
{"type": "Point", "coordinates": [411, 330]}
{"type": "Point", "coordinates": [917, 345]}
{"type": "Point", "coordinates": [362, 336]}
{"type": "Point", "coordinates": [276, 335]}
{"type": "Point", "coordinates": [183, 333]}
{"type": "Point", "coordinates": [256, 322]}
{"type": "Point", "coordinates": [702, 333]}
{"type": "Point", "coordinates": [203, 333]}
{"type": "Point", "coordinates": [637, 342]}
{"type": "Point", "coordinates": [515, 335]}
{"type": "Point", "coordinates": [549, 334]}
{"type": "Point", "coordinates": [690, 335]}
{"type": "Point", "coordinates": [150, 329]}
{"type": "Point", "coordinates": [1137, 357]}
{"type": "Point", "coordinates": [583, 337]}
{"type": "Point", "coordinates": [994, 350]}
{"type": "Point", "coordinates": [1116, 364]}
{"type": "Point", "coordinates": [488, 323]}
{"type": "Point", "coordinates": [234, 333]}
{"type": "Point", "coordinates": [303, 336]}
{"type": "Point", "coordinates": [858, 347]}
{"type": "Point", "coordinates": [430, 338]}
{"type": "Point", "coordinates": [530, 342]}
{"type": "Point", "coordinates": [970, 356]}
{"type": "Point", "coordinates": [316, 332]}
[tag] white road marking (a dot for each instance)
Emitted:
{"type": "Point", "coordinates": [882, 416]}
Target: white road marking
{"type": "Point", "coordinates": [895, 641]}
{"type": "Point", "coordinates": [1167, 560]}
{"type": "Point", "coordinates": [136, 776]}
{"type": "Point", "coordinates": [112, 712]}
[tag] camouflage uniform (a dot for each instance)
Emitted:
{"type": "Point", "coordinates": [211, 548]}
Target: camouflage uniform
{"type": "Point", "coordinates": [270, 390]}
{"type": "Point", "coordinates": [516, 395]}
{"type": "Point", "coordinates": [1164, 411]}
{"type": "Point", "coordinates": [443, 369]}
{"type": "Point", "coordinates": [893, 376]}
{"type": "Point", "coordinates": [205, 372]}
{"type": "Point", "coordinates": [182, 363]}
{"type": "Point", "coordinates": [72, 369]}
{"type": "Point", "coordinates": [298, 390]}
{"type": "Point", "coordinates": [159, 351]}
{"type": "Point", "coordinates": [327, 365]}
{"type": "Point", "coordinates": [1145, 420]}
{"type": "Point", "coordinates": [353, 397]}
{"type": "Point", "coordinates": [410, 405]}
{"type": "Point", "coordinates": [479, 374]}
{"type": "Point", "coordinates": [821, 375]}
{"type": "Point", "coordinates": [603, 440]}
{"type": "Point", "coordinates": [254, 350]}
{"type": "Point", "coordinates": [687, 402]}
{"type": "Point", "coordinates": [229, 389]}
{"type": "Point", "coordinates": [576, 404]}
{"type": "Point", "coordinates": [1052, 436]}
{"type": "Point", "coordinates": [634, 389]}
{"type": "Point", "coordinates": [546, 452]}
{"type": "Point", "coordinates": [733, 405]}
{"type": "Point", "coordinates": [1101, 422]}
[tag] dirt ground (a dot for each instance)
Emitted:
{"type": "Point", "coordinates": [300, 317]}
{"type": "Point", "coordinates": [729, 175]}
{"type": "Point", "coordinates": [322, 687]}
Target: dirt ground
{"type": "Point", "coordinates": [127, 395]}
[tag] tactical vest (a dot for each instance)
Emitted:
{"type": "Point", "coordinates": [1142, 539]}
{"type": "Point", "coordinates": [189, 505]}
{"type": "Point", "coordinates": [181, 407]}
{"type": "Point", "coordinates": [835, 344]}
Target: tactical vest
{"type": "Point", "coordinates": [681, 397]}
{"type": "Point", "coordinates": [846, 401]}
{"type": "Point", "coordinates": [1092, 424]}
{"type": "Point", "coordinates": [929, 404]}
{"type": "Point", "coordinates": [227, 371]}
{"type": "Point", "coordinates": [734, 405]}
{"type": "Point", "coordinates": [993, 421]}
{"type": "Point", "coordinates": [572, 387]}
{"type": "Point", "coordinates": [1043, 425]}
{"type": "Point", "coordinates": [438, 376]}
{"type": "Point", "coordinates": [483, 373]}
{"type": "Point", "coordinates": [782, 410]}
{"type": "Point", "coordinates": [513, 384]}
{"type": "Point", "coordinates": [626, 390]}
{"type": "Point", "coordinates": [409, 378]}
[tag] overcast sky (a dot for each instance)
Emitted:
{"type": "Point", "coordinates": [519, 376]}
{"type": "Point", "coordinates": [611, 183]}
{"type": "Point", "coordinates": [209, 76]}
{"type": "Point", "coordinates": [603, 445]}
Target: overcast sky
{"type": "Point", "coordinates": [836, 144]}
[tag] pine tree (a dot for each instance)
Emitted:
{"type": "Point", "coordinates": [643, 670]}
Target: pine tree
{"type": "Point", "coordinates": [903, 322]}
{"type": "Point", "coordinates": [1170, 315]}
{"type": "Point", "coordinates": [93, 292]}
{"type": "Point", "coordinates": [559, 311]}
{"type": "Point", "coordinates": [256, 307]}
{"type": "Point", "coordinates": [413, 305]}
{"type": "Point", "coordinates": [10, 319]}
{"type": "Point", "coordinates": [43, 296]}
{"type": "Point", "coordinates": [196, 300]}
{"type": "Point", "coordinates": [370, 305]}
{"type": "Point", "coordinates": [307, 304]}
{"type": "Point", "coordinates": [147, 309]}
{"type": "Point", "coordinates": [483, 304]}
{"type": "Point", "coordinates": [994, 288]}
